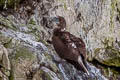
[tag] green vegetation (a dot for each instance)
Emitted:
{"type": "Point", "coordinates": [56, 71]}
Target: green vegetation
{"type": "Point", "coordinates": [107, 70]}
{"type": "Point", "coordinates": [113, 6]}
{"type": "Point", "coordinates": [9, 3]}
{"type": "Point", "coordinates": [2, 3]}
{"type": "Point", "coordinates": [11, 77]}
{"type": "Point", "coordinates": [7, 23]}
{"type": "Point", "coordinates": [32, 22]}
{"type": "Point", "coordinates": [65, 6]}
{"type": "Point", "coordinates": [114, 57]}
{"type": "Point", "coordinates": [111, 56]}
{"type": "Point", "coordinates": [45, 75]}
{"type": "Point", "coordinates": [23, 52]}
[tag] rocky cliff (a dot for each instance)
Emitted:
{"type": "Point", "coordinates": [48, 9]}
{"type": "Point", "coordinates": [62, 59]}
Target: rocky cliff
{"type": "Point", "coordinates": [24, 30]}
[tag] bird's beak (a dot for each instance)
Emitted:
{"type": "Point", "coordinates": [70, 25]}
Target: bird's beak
{"type": "Point", "coordinates": [54, 19]}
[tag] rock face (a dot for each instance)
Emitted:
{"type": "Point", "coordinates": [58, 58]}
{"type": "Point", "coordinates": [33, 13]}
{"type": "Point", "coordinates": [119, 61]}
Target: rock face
{"type": "Point", "coordinates": [4, 63]}
{"type": "Point", "coordinates": [24, 30]}
{"type": "Point", "coordinates": [5, 4]}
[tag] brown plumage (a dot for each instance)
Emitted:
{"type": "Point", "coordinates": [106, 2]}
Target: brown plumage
{"type": "Point", "coordinates": [69, 47]}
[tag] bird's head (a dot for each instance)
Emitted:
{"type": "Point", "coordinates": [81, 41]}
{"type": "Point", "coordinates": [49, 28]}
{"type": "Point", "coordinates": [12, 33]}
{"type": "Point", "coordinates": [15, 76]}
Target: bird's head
{"type": "Point", "coordinates": [60, 22]}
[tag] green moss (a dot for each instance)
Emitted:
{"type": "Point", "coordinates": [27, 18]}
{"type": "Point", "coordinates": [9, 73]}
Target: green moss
{"type": "Point", "coordinates": [112, 62]}
{"type": "Point", "coordinates": [107, 70]}
{"type": "Point", "coordinates": [11, 77]}
{"type": "Point", "coordinates": [7, 23]}
{"type": "Point", "coordinates": [13, 3]}
{"type": "Point", "coordinates": [62, 1]}
{"type": "Point", "coordinates": [24, 52]}
{"type": "Point", "coordinates": [32, 22]}
{"type": "Point", "coordinates": [48, 77]}
{"type": "Point", "coordinates": [65, 6]}
{"type": "Point", "coordinates": [113, 6]}
{"type": "Point", "coordinates": [48, 56]}
{"type": "Point", "coordinates": [108, 42]}
{"type": "Point", "coordinates": [119, 43]}
{"type": "Point", "coordinates": [33, 28]}
{"type": "Point", "coordinates": [97, 50]}
{"type": "Point", "coordinates": [45, 76]}
{"type": "Point", "coordinates": [54, 67]}
{"type": "Point", "coordinates": [9, 3]}
{"type": "Point", "coordinates": [113, 57]}
{"type": "Point", "coordinates": [5, 40]}
{"type": "Point", "coordinates": [2, 3]}
{"type": "Point", "coordinates": [44, 42]}
{"type": "Point", "coordinates": [9, 43]}
{"type": "Point", "coordinates": [36, 31]}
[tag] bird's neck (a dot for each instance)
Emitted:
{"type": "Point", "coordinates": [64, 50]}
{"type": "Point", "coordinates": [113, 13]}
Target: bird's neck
{"type": "Point", "coordinates": [62, 25]}
{"type": "Point", "coordinates": [57, 31]}
{"type": "Point", "coordinates": [62, 29]}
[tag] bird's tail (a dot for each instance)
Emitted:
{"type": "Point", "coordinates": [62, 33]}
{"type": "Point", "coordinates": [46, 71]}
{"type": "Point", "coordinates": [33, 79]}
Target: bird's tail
{"type": "Point", "coordinates": [80, 61]}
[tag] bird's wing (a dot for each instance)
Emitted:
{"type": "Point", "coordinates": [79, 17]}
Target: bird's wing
{"type": "Point", "coordinates": [65, 37]}
{"type": "Point", "coordinates": [80, 45]}
{"type": "Point", "coordinates": [72, 41]}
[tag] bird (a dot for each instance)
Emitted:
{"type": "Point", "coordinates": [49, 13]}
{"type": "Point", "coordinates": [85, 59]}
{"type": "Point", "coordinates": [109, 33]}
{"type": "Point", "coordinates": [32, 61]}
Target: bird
{"type": "Point", "coordinates": [68, 46]}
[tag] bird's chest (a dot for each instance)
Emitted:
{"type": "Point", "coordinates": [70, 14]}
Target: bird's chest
{"type": "Point", "coordinates": [62, 50]}
{"type": "Point", "coordinates": [59, 46]}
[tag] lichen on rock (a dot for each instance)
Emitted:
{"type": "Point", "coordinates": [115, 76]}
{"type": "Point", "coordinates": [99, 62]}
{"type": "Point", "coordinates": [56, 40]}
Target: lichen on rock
{"type": "Point", "coordinates": [5, 65]}
{"type": "Point", "coordinates": [4, 4]}
{"type": "Point", "coordinates": [109, 56]}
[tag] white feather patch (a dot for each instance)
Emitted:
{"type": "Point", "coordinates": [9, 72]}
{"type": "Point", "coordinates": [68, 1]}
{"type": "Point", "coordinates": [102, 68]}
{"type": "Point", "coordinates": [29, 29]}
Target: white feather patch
{"type": "Point", "coordinates": [73, 45]}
